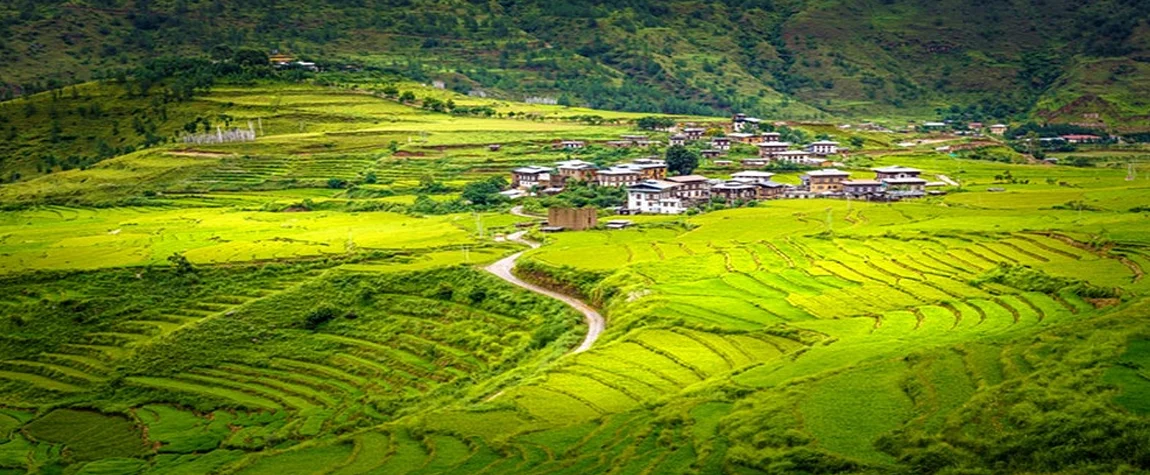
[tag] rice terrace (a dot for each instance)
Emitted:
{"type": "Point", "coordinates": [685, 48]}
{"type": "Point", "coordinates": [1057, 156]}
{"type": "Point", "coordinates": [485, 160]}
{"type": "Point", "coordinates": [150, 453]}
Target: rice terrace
{"type": "Point", "coordinates": [574, 237]}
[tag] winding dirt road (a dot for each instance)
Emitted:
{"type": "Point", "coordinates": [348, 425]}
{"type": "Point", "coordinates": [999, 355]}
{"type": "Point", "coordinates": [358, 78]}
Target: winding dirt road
{"type": "Point", "coordinates": [502, 269]}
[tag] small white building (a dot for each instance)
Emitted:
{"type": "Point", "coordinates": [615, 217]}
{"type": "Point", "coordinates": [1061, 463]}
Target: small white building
{"type": "Point", "coordinates": [791, 156]}
{"type": "Point", "coordinates": [678, 139]}
{"type": "Point", "coordinates": [572, 144]}
{"type": "Point", "coordinates": [654, 197]}
{"type": "Point", "coordinates": [998, 129]}
{"type": "Point", "coordinates": [694, 133]}
{"type": "Point", "coordinates": [823, 147]}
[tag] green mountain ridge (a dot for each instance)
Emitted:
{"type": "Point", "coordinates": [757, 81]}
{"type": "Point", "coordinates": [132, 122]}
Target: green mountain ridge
{"type": "Point", "coordinates": [1054, 60]}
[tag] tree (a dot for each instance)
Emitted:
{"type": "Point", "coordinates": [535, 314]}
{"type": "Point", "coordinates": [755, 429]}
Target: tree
{"type": "Point", "coordinates": [654, 123]}
{"type": "Point", "coordinates": [485, 192]}
{"type": "Point", "coordinates": [681, 160]}
{"type": "Point", "coordinates": [251, 58]}
{"type": "Point", "coordinates": [222, 53]}
{"type": "Point", "coordinates": [181, 263]}
{"type": "Point", "coordinates": [336, 183]}
{"type": "Point", "coordinates": [857, 142]}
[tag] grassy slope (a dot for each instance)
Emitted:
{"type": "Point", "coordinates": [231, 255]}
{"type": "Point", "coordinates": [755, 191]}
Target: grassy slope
{"type": "Point", "coordinates": [731, 343]}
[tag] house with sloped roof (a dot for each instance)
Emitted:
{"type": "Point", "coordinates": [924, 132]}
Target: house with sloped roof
{"type": "Point", "coordinates": [823, 147]}
{"type": "Point", "coordinates": [769, 149]}
{"type": "Point", "coordinates": [692, 188]}
{"type": "Point", "coordinates": [577, 170]}
{"type": "Point", "coordinates": [825, 181]}
{"type": "Point", "coordinates": [616, 177]}
{"type": "Point", "coordinates": [896, 171]}
{"type": "Point", "coordinates": [654, 197]}
{"type": "Point", "coordinates": [530, 177]}
{"type": "Point", "coordinates": [734, 191]}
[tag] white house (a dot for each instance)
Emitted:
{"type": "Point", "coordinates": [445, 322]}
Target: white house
{"type": "Point", "coordinates": [654, 197]}
{"type": "Point", "coordinates": [572, 144]}
{"type": "Point", "coordinates": [823, 147]}
{"type": "Point", "coordinates": [791, 156]}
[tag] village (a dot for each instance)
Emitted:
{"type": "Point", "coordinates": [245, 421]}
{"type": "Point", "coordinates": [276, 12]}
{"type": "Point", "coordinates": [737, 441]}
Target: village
{"type": "Point", "coordinates": [651, 189]}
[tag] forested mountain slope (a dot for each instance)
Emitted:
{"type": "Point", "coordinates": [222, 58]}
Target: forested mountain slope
{"type": "Point", "coordinates": [1058, 59]}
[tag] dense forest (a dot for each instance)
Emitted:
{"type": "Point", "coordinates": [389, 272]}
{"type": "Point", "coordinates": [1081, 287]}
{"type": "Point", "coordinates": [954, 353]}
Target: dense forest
{"type": "Point", "coordinates": [1057, 59]}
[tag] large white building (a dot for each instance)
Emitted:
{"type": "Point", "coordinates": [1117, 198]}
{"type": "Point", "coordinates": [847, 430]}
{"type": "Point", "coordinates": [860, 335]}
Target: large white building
{"type": "Point", "coordinates": [654, 197]}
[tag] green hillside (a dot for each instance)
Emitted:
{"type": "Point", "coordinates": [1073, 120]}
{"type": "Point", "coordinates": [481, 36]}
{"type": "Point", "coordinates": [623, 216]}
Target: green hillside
{"type": "Point", "coordinates": [890, 59]}
{"type": "Point", "coordinates": [315, 301]}
{"type": "Point", "coordinates": [330, 290]}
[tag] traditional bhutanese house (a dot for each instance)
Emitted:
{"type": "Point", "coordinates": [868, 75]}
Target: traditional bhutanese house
{"type": "Point", "coordinates": [530, 177]}
{"type": "Point", "coordinates": [1081, 138]}
{"type": "Point", "coordinates": [734, 190]}
{"type": "Point", "coordinates": [752, 176]}
{"type": "Point", "coordinates": [633, 138]}
{"type": "Point", "coordinates": [823, 148]}
{"type": "Point", "coordinates": [815, 162]}
{"type": "Point", "coordinates": [905, 187]}
{"type": "Point", "coordinates": [691, 187]}
{"type": "Point", "coordinates": [694, 133]}
{"type": "Point", "coordinates": [862, 188]}
{"type": "Point", "coordinates": [769, 149]}
{"type": "Point", "coordinates": [721, 143]}
{"type": "Point", "coordinates": [711, 154]}
{"type": "Point", "coordinates": [650, 168]}
{"type": "Point", "coordinates": [741, 121]}
{"type": "Point", "coordinates": [975, 126]}
{"type": "Point", "coordinates": [648, 143]}
{"type": "Point", "coordinates": [678, 139]}
{"type": "Point", "coordinates": [755, 162]}
{"type": "Point", "coordinates": [791, 156]}
{"type": "Point", "coordinates": [743, 137]}
{"type": "Point", "coordinates": [771, 137]}
{"type": "Point", "coordinates": [577, 170]}
{"type": "Point", "coordinates": [620, 143]}
{"type": "Point", "coordinates": [572, 144]}
{"type": "Point", "coordinates": [998, 129]}
{"type": "Point", "coordinates": [654, 197]}
{"type": "Point", "coordinates": [934, 125]}
{"type": "Point", "coordinates": [617, 177]}
{"type": "Point", "coordinates": [825, 181]}
{"type": "Point", "coordinates": [769, 190]}
{"type": "Point", "coordinates": [896, 171]}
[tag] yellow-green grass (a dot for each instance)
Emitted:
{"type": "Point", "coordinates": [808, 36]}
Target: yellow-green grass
{"type": "Point", "coordinates": [59, 238]}
{"type": "Point", "coordinates": [90, 435]}
{"type": "Point", "coordinates": [302, 461]}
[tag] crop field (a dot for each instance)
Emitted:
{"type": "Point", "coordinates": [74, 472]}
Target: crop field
{"type": "Point", "coordinates": [315, 301]}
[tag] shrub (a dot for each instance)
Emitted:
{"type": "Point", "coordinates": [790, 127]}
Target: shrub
{"type": "Point", "coordinates": [318, 317]}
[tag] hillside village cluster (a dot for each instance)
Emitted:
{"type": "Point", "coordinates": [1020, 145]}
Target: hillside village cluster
{"type": "Point", "coordinates": [651, 191]}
